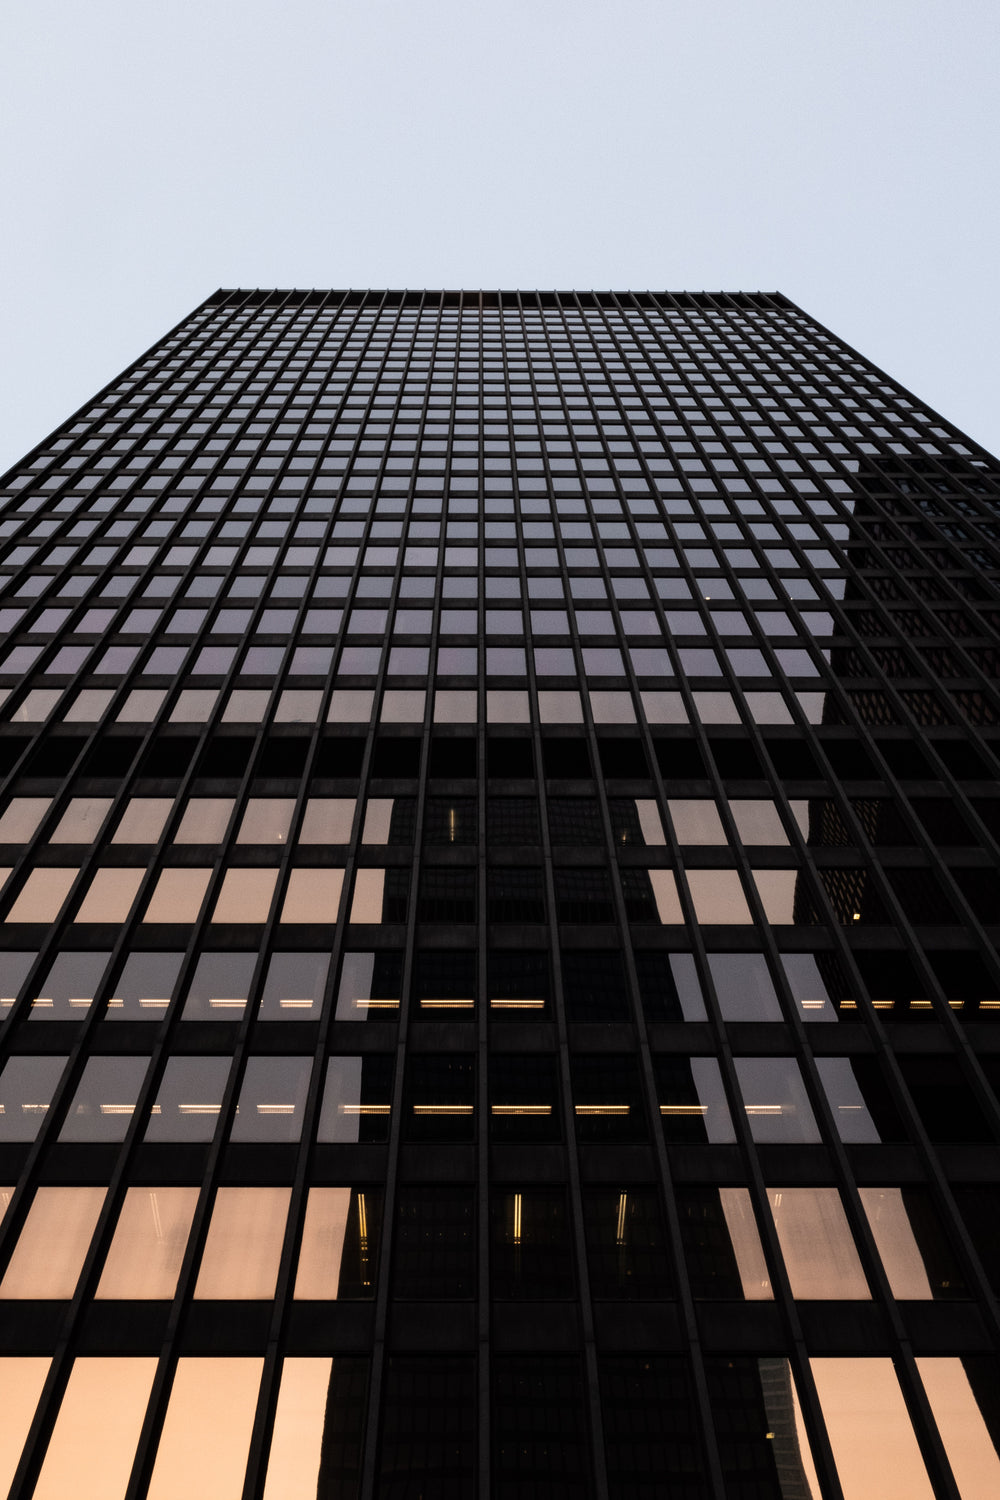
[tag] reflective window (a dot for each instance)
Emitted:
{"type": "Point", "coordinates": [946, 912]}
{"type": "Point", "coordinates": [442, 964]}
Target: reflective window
{"type": "Point", "coordinates": [245, 895]}
{"type": "Point", "coordinates": [958, 1412]}
{"type": "Point", "coordinates": [917, 1257]}
{"type": "Point", "coordinates": [356, 1099]}
{"type": "Point", "coordinates": [68, 989]}
{"type": "Point", "coordinates": [312, 896]}
{"type": "Point", "coordinates": [21, 1382]}
{"type": "Point", "coordinates": [105, 1099]}
{"type": "Point", "coordinates": [328, 820]}
{"type": "Point", "coordinates": [110, 895]}
{"type": "Point", "coordinates": [272, 1099]}
{"type": "Point", "coordinates": [205, 820]}
{"type": "Point", "coordinates": [743, 985]}
{"type": "Point", "coordinates": [144, 987]}
{"type": "Point", "coordinates": [144, 1260]}
{"type": "Point", "coordinates": [370, 985]}
{"type": "Point", "coordinates": [869, 1429]}
{"type": "Point", "coordinates": [26, 1088]}
{"type": "Point", "coordinates": [808, 987]}
{"type": "Point", "coordinates": [338, 1255]}
{"type": "Point", "coordinates": [696, 822]}
{"type": "Point", "coordinates": [243, 1248]}
{"type": "Point", "coordinates": [266, 820]}
{"type": "Point", "coordinates": [775, 1099]}
{"type": "Point", "coordinates": [295, 1456]}
{"type": "Point", "coordinates": [692, 1100]}
{"type": "Point", "coordinates": [205, 1440]}
{"type": "Point", "coordinates": [189, 1099]}
{"type": "Point", "coordinates": [42, 895]}
{"type": "Point", "coordinates": [21, 818]}
{"type": "Point", "coordinates": [53, 1243]}
{"type": "Point", "coordinates": [93, 1444]}
{"type": "Point", "coordinates": [178, 895]}
{"type": "Point", "coordinates": [143, 820]}
{"type": "Point", "coordinates": [219, 987]}
{"type": "Point", "coordinates": [817, 1244]}
{"type": "Point", "coordinates": [81, 822]}
{"type": "Point", "coordinates": [293, 987]}
{"type": "Point", "coordinates": [718, 897]}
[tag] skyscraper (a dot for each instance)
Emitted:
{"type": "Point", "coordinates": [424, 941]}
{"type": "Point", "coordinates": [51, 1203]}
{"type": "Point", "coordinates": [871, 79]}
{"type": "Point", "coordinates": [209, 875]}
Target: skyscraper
{"type": "Point", "coordinates": [500, 839]}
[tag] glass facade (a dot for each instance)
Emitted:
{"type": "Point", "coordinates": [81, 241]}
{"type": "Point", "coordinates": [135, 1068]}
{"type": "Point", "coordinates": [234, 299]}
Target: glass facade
{"type": "Point", "coordinates": [500, 858]}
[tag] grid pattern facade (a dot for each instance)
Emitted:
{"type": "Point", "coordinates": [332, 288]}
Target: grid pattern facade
{"type": "Point", "coordinates": [500, 839]}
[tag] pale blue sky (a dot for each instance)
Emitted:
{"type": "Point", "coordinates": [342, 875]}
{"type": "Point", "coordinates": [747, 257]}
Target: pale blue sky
{"type": "Point", "coordinates": [843, 151]}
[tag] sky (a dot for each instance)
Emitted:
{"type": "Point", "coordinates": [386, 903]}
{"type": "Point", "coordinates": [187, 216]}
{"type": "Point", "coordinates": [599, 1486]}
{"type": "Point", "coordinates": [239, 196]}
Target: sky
{"type": "Point", "coordinates": [844, 152]}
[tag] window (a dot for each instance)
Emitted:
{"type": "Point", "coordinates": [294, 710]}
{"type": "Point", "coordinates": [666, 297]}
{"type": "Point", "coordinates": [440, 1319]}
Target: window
{"type": "Point", "coordinates": [219, 987]}
{"type": "Point", "coordinates": [272, 1099]}
{"type": "Point", "coordinates": [189, 1099]}
{"type": "Point", "coordinates": [205, 1440]}
{"type": "Point", "coordinates": [53, 1243]}
{"type": "Point", "coordinates": [293, 988]}
{"type": "Point", "coordinates": [146, 1253]}
{"type": "Point", "coordinates": [93, 1443]}
{"type": "Point", "coordinates": [105, 1099]}
{"type": "Point", "coordinates": [243, 1248]}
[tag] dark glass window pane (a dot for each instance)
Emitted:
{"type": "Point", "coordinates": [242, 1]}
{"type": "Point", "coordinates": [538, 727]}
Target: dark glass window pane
{"type": "Point", "coordinates": [427, 1443]}
{"type": "Point", "coordinates": [444, 984]}
{"type": "Point", "coordinates": [524, 1098]}
{"type": "Point", "coordinates": [441, 1094]}
{"type": "Point", "coordinates": [512, 820]}
{"type": "Point", "coordinates": [532, 1256]}
{"type": "Point", "coordinates": [450, 820]}
{"type": "Point", "coordinates": [651, 1431]}
{"type": "Point", "coordinates": [626, 1244]}
{"type": "Point", "coordinates": [583, 897]}
{"type": "Point", "coordinates": [435, 1243]}
{"type": "Point", "coordinates": [446, 894]}
{"type": "Point", "coordinates": [607, 1098]}
{"type": "Point", "coordinates": [514, 894]}
{"type": "Point", "coordinates": [594, 985]}
{"type": "Point", "coordinates": [519, 983]}
{"type": "Point", "coordinates": [575, 820]}
{"type": "Point", "coordinates": [540, 1445]}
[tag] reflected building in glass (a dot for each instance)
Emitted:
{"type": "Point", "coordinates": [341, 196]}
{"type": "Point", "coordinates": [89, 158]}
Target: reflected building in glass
{"type": "Point", "coordinates": [499, 841]}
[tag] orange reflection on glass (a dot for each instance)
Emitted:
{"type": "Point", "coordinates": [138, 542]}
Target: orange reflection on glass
{"type": "Point", "coordinates": [966, 1438]}
{"type": "Point", "coordinates": [206, 1433]}
{"type": "Point", "coordinates": [873, 1443]}
{"type": "Point", "coordinates": [369, 888]}
{"type": "Point", "coordinates": [53, 1243]}
{"type": "Point", "coordinates": [817, 1244]}
{"type": "Point", "coordinates": [145, 1257]}
{"type": "Point", "coordinates": [318, 1277]}
{"type": "Point", "coordinates": [896, 1242]}
{"type": "Point", "coordinates": [754, 1275]}
{"type": "Point", "coordinates": [243, 1248]}
{"type": "Point", "coordinates": [297, 1438]}
{"type": "Point", "coordinates": [93, 1443]}
{"type": "Point", "coordinates": [21, 1381]}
